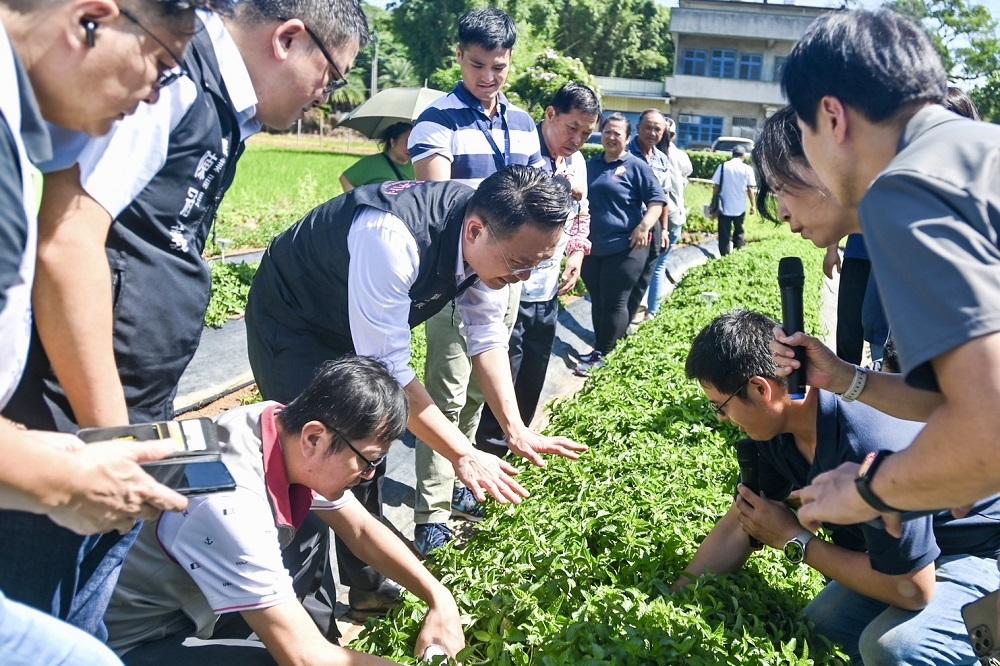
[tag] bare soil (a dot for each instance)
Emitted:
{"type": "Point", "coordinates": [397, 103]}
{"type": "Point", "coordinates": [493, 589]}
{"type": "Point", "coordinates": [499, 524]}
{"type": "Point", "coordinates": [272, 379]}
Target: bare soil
{"type": "Point", "coordinates": [225, 403]}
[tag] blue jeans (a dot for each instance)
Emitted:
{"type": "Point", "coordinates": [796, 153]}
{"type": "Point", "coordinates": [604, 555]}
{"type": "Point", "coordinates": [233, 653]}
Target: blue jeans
{"type": "Point", "coordinates": [63, 574]}
{"type": "Point", "coordinates": [876, 634]}
{"type": "Point", "coordinates": [29, 637]}
{"type": "Point", "coordinates": [659, 280]}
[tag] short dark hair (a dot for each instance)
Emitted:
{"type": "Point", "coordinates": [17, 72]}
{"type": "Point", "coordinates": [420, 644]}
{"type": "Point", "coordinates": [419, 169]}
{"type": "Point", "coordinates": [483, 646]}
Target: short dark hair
{"type": "Point", "coordinates": [877, 62]}
{"type": "Point", "coordinates": [488, 28]}
{"type": "Point", "coordinates": [778, 157]}
{"type": "Point", "coordinates": [642, 116]}
{"type": "Point", "coordinates": [393, 132]}
{"type": "Point", "coordinates": [337, 23]}
{"type": "Point", "coordinates": [620, 118]}
{"type": "Point", "coordinates": [576, 97]}
{"type": "Point", "coordinates": [960, 102]}
{"type": "Point", "coordinates": [731, 350]}
{"type": "Point", "coordinates": [357, 396]}
{"type": "Point", "coordinates": [520, 195]}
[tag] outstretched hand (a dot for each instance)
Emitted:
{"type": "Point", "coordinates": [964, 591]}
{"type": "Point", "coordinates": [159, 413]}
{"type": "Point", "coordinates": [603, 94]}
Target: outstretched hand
{"type": "Point", "coordinates": [530, 445]}
{"type": "Point", "coordinates": [485, 474]}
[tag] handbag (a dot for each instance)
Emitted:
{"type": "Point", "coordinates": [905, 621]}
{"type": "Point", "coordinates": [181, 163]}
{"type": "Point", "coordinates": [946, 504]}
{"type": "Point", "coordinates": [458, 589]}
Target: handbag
{"type": "Point", "coordinates": [714, 208]}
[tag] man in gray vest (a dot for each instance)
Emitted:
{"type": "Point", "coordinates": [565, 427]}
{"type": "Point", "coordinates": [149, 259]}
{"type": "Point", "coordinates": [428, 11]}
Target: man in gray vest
{"type": "Point", "coordinates": [357, 273]}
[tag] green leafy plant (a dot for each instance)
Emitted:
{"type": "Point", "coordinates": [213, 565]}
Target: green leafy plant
{"type": "Point", "coordinates": [230, 287]}
{"type": "Point", "coordinates": [580, 572]}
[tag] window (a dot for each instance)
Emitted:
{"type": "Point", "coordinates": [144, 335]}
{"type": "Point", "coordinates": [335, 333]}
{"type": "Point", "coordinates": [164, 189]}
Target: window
{"type": "Point", "coordinates": [752, 66]}
{"type": "Point", "coordinates": [698, 132]}
{"type": "Point", "coordinates": [693, 63]}
{"type": "Point", "coordinates": [748, 123]}
{"type": "Point", "coordinates": [779, 62]}
{"type": "Point", "coordinates": [723, 64]}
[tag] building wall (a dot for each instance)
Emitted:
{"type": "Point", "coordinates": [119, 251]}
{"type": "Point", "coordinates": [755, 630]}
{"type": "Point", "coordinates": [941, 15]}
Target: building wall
{"type": "Point", "coordinates": [769, 30]}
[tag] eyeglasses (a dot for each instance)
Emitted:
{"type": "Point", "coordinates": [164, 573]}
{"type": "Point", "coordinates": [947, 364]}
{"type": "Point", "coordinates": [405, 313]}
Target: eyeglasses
{"type": "Point", "coordinates": [337, 80]}
{"type": "Point", "coordinates": [167, 76]}
{"type": "Point", "coordinates": [720, 411]}
{"type": "Point", "coordinates": [370, 465]}
{"type": "Point", "coordinates": [519, 272]}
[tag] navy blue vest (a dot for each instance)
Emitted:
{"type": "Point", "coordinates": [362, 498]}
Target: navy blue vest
{"type": "Point", "coordinates": [161, 285]}
{"type": "Point", "coordinates": [302, 279]}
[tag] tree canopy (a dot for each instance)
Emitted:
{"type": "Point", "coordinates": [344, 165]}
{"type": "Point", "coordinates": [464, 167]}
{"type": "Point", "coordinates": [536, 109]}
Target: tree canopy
{"type": "Point", "coordinates": [627, 38]}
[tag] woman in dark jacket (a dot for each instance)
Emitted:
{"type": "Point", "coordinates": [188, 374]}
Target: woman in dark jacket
{"type": "Point", "coordinates": [625, 202]}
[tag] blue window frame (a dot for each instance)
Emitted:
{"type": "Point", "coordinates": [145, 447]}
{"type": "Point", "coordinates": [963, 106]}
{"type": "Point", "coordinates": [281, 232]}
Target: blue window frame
{"type": "Point", "coordinates": [723, 64]}
{"type": "Point", "coordinates": [700, 130]}
{"type": "Point", "coordinates": [752, 66]}
{"type": "Point", "coordinates": [694, 62]}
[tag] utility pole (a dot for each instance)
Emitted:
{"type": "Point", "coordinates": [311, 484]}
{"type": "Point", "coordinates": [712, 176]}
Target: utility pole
{"type": "Point", "coordinates": [374, 72]}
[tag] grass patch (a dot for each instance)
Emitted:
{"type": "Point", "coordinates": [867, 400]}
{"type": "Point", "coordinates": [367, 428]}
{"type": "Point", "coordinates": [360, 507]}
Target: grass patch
{"type": "Point", "coordinates": [274, 187]}
{"type": "Point", "coordinates": [579, 574]}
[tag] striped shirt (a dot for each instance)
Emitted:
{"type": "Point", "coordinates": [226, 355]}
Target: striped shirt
{"type": "Point", "coordinates": [458, 128]}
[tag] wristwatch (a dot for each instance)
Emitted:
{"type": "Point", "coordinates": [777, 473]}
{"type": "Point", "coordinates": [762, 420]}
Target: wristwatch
{"type": "Point", "coordinates": [863, 484]}
{"type": "Point", "coordinates": [795, 548]}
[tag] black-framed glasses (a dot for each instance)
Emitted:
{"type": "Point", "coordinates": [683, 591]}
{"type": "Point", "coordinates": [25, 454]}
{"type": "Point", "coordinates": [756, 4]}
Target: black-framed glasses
{"type": "Point", "coordinates": [370, 465]}
{"type": "Point", "coordinates": [167, 76]}
{"type": "Point", "coordinates": [518, 272]}
{"type": "Point", "coordinates": [337, 80]}
{"type": "Point", "coordinates": [720, 411]}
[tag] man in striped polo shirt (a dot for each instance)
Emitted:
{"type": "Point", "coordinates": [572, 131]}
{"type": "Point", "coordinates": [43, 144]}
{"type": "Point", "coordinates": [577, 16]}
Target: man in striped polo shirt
{"type": "Point", "coordinates": [466, 136]}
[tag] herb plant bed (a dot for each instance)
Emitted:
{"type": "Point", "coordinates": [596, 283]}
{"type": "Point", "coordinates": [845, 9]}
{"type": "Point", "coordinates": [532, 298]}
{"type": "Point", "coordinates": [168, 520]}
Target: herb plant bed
{"type": "Point", "coordinates": [580, 573]}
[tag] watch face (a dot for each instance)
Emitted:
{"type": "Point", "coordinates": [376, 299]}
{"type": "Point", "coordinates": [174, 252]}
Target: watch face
{"type": "Point", "coordinates": [794, 552]}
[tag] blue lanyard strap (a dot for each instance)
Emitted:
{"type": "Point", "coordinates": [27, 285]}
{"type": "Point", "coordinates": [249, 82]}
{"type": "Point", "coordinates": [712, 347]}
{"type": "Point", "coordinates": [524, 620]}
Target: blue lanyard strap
{"type": "Point", "coordinates": [501, 159]}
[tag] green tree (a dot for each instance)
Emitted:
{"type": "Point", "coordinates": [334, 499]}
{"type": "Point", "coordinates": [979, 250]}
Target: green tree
{"type": "Point", "coordinates": [986, 97]}
{"type": "Point", "coordinates": [533, 89]}
{"type": "Point", "coordinates": [428, 30]}
{"type": "Point", "coordinates": [964, 33]}
{"type": "Point", "coordinates": [629, 38]}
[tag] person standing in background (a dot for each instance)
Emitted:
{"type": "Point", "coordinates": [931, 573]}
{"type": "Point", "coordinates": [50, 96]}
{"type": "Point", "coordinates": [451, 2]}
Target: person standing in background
{"type": "Point", "coordinates": [732, 180]}
{"type": "Point", "coordinates": [680, 169]}
{"type": "Point", "coordinates": [392, 163]}
{"type": "Point", "coordinates": [621, 187]}
{"type": "Point", "coordinates": [650, 131]}
{"type": "Point", "coordinates": [468, 135]}
{"type": "Point", "coordinates": [567, 125]}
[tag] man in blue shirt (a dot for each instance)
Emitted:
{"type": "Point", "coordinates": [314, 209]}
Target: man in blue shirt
{"type": "Point", "coordinates": [889, 600]}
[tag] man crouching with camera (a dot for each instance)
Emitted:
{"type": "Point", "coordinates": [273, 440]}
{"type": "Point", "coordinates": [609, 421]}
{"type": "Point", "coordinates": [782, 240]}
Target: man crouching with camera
{"type": "Point", "coordinates": [889, 601]}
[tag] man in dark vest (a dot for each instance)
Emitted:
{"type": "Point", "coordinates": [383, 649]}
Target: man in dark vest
{"type": "Point", "coordinates": [357, 273]}
{"type": "Point", "coordinates": [121, 287]}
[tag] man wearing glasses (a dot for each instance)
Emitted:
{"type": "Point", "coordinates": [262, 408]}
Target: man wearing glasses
{"type": "Point", "coordinates": [224, 553]}
{"type": "Point", "coordinates": [889, 600]}
{"type": "Point", "coordinates": [358, 272]}
{"type": "Point", "coordinates": [122, 288]}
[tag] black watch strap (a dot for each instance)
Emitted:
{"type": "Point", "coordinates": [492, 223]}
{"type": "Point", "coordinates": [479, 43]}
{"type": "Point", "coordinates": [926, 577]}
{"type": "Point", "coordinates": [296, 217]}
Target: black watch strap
{"type": "Point", "coordinates": [863, 484]}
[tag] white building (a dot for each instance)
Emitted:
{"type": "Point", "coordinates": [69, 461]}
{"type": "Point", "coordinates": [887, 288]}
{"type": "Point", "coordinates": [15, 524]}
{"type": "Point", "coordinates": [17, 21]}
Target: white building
{"type": "Point", "coordinates": [727, 65]}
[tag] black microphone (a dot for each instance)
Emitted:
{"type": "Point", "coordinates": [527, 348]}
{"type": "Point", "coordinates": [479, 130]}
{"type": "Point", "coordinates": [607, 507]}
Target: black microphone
{"type": "Point", "coordinates": [747, 456]}
{"type": "Point", "coordinates": [791, 277]}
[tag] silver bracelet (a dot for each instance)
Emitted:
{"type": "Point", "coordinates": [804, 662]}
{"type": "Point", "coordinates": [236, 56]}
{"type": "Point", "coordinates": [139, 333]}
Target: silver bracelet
{"type": "Point", "coordinates": [857, 385]}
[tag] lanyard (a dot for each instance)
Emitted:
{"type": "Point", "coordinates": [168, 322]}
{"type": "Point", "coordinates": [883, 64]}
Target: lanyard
{"type": "Point", "coordinates": [500, 159]}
